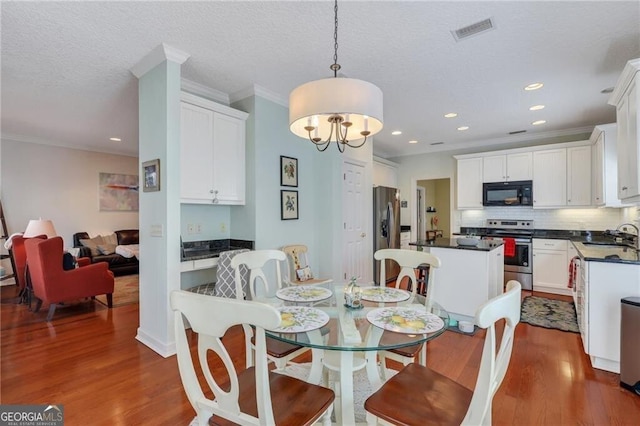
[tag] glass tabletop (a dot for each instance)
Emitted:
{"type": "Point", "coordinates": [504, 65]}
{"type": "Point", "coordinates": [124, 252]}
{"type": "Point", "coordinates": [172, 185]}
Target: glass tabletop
{"type": "Point", "coordinates": [328, 324]}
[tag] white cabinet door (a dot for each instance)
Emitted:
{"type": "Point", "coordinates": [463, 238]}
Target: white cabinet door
{"type": "Point", "coordinates": [579, 176]}
{"type": "Point", "coordinates": [196, 152]}
{"type": "Point", "coordinates": [384, 175]}
{"type": "Point", "coordinates": [550, 266]}
{"type": "Point", "coordinates": [550, 178]}
{"type": "Point", "coordinates": [228, 159]}
{"type": "Point", "coordinates": [469, 183]}
{"type": "Point", "coordinates": [494, 168]}
{"type": "Point", "coordinates": [598, 177]}
{"type": "Point", "coordinates": [633, 141]}
{"type": "Point", "coordinates": [520, 166]}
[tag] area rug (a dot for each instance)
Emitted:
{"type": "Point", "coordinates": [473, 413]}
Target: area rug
{"type": "Point", "coordinates": [125, 291]}
{"type": "Point", "coordinates": [549, 313]}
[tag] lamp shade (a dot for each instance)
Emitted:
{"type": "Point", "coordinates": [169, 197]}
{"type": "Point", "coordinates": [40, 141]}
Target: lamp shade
{"type": "Point", "coordinates": [40, 227]}
{"type": "Point", "coordinates": [312, 103]}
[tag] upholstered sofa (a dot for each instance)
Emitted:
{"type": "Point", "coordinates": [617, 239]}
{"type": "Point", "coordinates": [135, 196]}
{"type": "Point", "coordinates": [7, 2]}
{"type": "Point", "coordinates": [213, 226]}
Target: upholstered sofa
{"type": "Point", "coordinates": [118, 264]}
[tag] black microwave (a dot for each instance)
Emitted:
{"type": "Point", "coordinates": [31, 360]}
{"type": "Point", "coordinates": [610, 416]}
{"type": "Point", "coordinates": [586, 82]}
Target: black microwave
{"type": "Point", "coordinates": [518, 193]}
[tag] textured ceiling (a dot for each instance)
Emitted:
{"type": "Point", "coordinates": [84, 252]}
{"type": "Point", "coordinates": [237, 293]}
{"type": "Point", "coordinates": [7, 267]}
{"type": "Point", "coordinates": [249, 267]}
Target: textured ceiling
{"type": "Point", "coordinates": [66, 78]}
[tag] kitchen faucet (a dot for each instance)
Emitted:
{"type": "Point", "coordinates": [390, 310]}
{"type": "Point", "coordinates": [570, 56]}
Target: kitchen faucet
{"type": "Point", "coordinates": [637, 240]}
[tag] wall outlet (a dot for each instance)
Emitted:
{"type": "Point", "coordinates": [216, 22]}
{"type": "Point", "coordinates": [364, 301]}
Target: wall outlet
{"type": "Point", "coordinates": [223, 227]}
{"type": "Point", "coordinates": [191, 228]}
{"type": "Point", "coordinates": [198, 228]}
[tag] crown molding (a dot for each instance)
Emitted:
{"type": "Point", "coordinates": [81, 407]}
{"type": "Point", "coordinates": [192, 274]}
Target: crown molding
{"type": "Point", "coordinates": [161, 53]}
{"type": "Point", "coordinates": [28, 139]}
{"type": "Point", "coordinates": [204, 91]}
{"type": "Point", "coordinates": [629, 71]}
{"type": "Point", "coordinates": [255, 90]}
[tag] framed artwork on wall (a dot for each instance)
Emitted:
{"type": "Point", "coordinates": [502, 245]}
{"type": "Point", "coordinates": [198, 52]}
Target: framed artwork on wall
{"type": "Point", "coordinates": [151, 175]}
{"type": "Point", "coordinates": [288, 204]}
{"type": "Point", "coordinates": [288, 171]}
{"type": "Point", "coordinates": [117, 192]}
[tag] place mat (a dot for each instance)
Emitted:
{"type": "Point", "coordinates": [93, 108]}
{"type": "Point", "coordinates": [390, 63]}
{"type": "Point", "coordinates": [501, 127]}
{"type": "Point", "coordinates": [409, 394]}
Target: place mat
{"type": "Point", "coordinates": [384, 294]}
{"type": "Point", "coordinates": [303, 293]}
{"type": "Point", "coordinates": [298, 319]}
{"type": "Point", "coordinates": [405, 320]}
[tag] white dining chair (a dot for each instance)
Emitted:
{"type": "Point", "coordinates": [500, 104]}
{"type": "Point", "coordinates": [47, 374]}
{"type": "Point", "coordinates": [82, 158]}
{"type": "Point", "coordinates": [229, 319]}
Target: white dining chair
{"type": "Point", "coordinates": [419, 395]}
{"type": "Point", "coordinates": [298, 259]}
{"type": "Point", "coordinates": [253, 396]}
{"type": "Point", "coordinates": [260, 288]}
{"type": "Point", "coordinates": [409, 261]}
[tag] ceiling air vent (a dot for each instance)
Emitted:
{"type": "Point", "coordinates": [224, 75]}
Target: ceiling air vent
{"type": "Point", "coordinates": [438, 143]}
{"type": "Point", "coordinates": [473, 29]}
{"type": "Point", "coordinates": [515, 132]}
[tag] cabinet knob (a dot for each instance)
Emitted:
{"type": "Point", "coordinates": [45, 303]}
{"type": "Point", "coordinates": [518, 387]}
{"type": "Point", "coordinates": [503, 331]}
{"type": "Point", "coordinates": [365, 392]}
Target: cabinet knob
{"type": "Point", "coordinates": [624, 188]}
{"type": "Point", "coordinates": [211, 191]}
{"type": "Point", "coordinates": [215, 197]}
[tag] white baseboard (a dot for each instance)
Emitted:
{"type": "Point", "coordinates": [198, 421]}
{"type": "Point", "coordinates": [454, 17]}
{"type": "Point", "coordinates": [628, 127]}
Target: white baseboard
{"type": "Point", "coordinates": [163, 349]}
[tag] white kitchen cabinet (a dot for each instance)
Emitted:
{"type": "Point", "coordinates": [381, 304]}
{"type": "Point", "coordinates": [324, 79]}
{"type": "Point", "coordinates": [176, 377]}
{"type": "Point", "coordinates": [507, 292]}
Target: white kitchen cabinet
{"type": "Point", "coordinates": [405, 239]}
{"type": "Point", "coordinates": [385, 173]}
{"type": "Point", "coordinates": [469, 183]}
{"type": "Point", "coordinates": [212, 152]}
{"type": "Point", "coordinates": [605, 284]}
{"type": "Point", "coordinates": [508, 168]}
{"type": "Point", "coordinates": [604, 161]}
{"type": "Point", "coordinates": [550, 178]}
{"type": "Point", "coordinates": [626, 99]}
{"type": "Point", "coordinates": [578, 176]}
{"type": "Point", "coordinates": [550, 266]}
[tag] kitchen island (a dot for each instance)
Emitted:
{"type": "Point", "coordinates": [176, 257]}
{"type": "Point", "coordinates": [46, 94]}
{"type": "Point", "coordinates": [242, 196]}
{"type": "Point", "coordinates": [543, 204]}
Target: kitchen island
{"type": "Point", "coordinates": [468, 275]}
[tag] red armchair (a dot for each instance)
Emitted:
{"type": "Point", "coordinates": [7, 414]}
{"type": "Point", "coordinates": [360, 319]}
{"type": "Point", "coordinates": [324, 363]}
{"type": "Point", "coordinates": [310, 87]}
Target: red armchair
{"type": "Point", "coordinates": [19, 254]}
{"type": "Point", "coordinates": [52, 284]}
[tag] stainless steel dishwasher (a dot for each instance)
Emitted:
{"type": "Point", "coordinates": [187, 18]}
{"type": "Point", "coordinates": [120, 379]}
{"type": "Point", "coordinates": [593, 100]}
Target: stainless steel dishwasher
{"type": "Point", "coordinates": [630, 344]}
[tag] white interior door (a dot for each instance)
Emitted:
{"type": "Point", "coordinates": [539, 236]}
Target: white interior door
{"type": "Point", "coordinates": [357, 259]}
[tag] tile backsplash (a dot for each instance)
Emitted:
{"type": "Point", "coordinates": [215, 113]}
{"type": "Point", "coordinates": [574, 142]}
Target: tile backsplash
{"type": "Point", "coordinates": [570, 219]}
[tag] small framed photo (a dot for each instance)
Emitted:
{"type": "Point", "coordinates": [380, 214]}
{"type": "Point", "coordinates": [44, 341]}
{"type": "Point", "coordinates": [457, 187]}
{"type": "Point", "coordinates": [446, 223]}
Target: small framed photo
{"type": "Point", "coordinates": [288, 171]}
{"type": "Point", "coordinates": [288, 204]}
{"type": "Point", "coordinates": [151, 175]}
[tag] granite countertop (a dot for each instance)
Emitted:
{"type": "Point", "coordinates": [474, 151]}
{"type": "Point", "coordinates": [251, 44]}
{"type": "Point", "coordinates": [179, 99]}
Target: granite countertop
{"type": "Point", "coordinates": [612, 253]}
{"type": "Point", "coordinates": [196, 250]}
{"type": "Point", "coordinates": [483, 245]}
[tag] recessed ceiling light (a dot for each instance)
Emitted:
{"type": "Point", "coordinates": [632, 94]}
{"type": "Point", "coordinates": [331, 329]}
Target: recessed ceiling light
{"type": "Point", "coordinates": [538, 122]}
{"type": "Point", "coordinates": [533, 86]}
{"type": "Point", "coordinates": [536, 108]}
{"type": "Point", "coordinates": [115, 139]}
{"type": "Point", "coordinates": [463, 128]}
{"type": "Point", "coordinates": [607, 90]}
{"type": "Point", "coordinates": [396, 132]}
{"type": "Point", "coordinates": [451, 115]}
{"type": "Point", "coordinates": [413, 141]}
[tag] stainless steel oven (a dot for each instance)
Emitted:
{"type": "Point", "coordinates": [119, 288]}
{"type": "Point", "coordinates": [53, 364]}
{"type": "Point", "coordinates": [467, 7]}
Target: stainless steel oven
{"type": "Point", "coordinates": [518, 265]}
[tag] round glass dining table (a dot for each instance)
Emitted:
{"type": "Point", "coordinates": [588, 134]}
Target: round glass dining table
{"type": "Point", "coordinates": [346, 339]}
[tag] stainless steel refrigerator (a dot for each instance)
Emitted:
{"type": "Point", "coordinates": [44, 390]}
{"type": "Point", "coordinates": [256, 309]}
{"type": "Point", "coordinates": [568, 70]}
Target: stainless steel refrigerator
{"type": "Point", "coordinates": [386, 229]}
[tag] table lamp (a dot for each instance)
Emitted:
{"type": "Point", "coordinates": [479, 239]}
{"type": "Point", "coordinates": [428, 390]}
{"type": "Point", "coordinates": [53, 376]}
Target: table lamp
{"type": "Point", "coordinates": [39, 227]}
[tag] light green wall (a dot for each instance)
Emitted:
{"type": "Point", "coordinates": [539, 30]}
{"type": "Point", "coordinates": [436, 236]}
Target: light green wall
{"type": "Point", "coordinates": [215, 222]}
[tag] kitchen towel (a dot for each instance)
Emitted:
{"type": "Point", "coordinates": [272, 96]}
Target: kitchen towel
{"type": "Point", "coordinates": [573, 269]}
{"type": "Point", "coordinates": [509, 247]}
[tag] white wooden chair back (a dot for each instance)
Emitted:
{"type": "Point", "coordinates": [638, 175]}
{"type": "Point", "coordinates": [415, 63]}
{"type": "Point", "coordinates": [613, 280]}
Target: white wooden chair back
{"type": "Point", "coordinates": [409, 260]}
{"type": "Point", "coordinates": [256, 260]}
{"type": "Point", "coordinates": [211, 317]}
{"type": "Point", "coordinates": [493, 365]}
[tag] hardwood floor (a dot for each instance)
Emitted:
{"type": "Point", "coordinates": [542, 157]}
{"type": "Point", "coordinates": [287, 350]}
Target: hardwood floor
{"type": "Point", "coordinates": [88, 360]}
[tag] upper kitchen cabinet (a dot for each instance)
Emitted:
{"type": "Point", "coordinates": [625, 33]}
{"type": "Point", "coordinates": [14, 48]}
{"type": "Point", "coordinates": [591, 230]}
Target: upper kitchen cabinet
{"type": "Point", "coordinates": [508, 168]}
{"type": "Point", "coordinates": [626, 99]}
{"type": "Point", "coordinates": [550, 178]}
{"type": "Point", "coordinates": [562, 177]}
{"type": "Point", "coordinates": [469, 183]}
{"type": "Point", "coordinates": [212, 152]}
{"type": "Point", "coordinates": [385, 173]}
{"type": "Point", "coordinates": [604, 159]}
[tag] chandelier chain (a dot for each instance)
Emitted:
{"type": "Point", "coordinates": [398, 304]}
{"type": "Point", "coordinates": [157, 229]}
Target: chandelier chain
{"type": "Point", "coordinates": [335, 66]}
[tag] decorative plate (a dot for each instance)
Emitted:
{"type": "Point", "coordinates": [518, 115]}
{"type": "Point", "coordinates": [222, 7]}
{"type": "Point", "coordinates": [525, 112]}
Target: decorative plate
{"type": "Point", "coordinates": [384, 294]}
{"type": "Point", "coordinates": [298, 319]}
{"type": "Point", "coordinates": [303, 293]}
{"type": "Point", "coordinates": [405, 320]}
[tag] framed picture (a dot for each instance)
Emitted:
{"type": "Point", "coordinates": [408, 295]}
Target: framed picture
{"type": "Point", "coordinates": [117, 192]}
{"type": "Point", "coordinates": [288, 204]}
{"type": "Point", "coordinates": [151, 175]}
{"type": "Point", "coordinates": [288, 171]}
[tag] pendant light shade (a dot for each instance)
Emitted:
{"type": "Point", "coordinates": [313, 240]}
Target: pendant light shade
{"type": "Point", "coordinates": [313, 103]}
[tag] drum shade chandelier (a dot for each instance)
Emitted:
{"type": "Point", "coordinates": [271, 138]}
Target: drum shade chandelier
{"type": "Point", "coordinates": [338, 109]}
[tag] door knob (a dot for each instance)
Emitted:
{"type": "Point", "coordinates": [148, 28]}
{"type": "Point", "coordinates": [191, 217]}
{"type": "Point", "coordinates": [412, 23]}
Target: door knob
{"type": "Point", "coordinates": [363, 235]}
